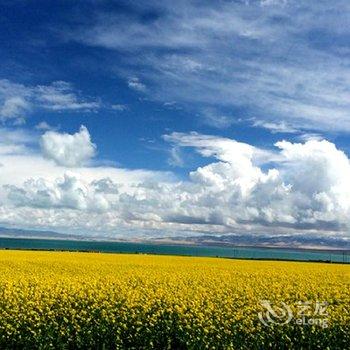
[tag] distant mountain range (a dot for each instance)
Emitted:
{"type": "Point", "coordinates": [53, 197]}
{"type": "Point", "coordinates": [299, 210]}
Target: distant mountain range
{"type": "Point", "coordinates": [249, 240]}
{"type": "Point", "coordinates": [279, 241]}
{"type": "Point", "coordinates": [21, 233]}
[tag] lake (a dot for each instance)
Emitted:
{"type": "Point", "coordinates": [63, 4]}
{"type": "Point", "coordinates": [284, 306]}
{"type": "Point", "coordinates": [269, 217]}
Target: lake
{"type": "Point", "coordinates": [172, 249]}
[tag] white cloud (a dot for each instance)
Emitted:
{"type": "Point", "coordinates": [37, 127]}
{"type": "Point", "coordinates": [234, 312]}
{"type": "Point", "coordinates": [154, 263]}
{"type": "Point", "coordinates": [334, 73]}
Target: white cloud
{"type": "Point", "coordinates": [224, 149]}
{"type": "Point", "coordinates": [18, 100]}
{"type": "Point", "coordinates": [217, 119]}
{"type": "Point", "coordinates": [276, 59]}
{"type": "Point", "coordinates": [70, 192]}
{"type": "Point", "coordinates": [68, 150]}
{"type": "Point", "coordinates": [14, 101]}
{"type": "Point", "coordinates": [175, 158]}
{"type": "Point", "coordinates": [20, 162]}
{"type": "Point", "coordinates": [37, 193]}
{"type": "Point", "coordinates": [14, 107]}
{"type": "Point", "coordinates": [16, 136]}
{"type": "Point", "coordinates": [310, 136]}
{"type": "Point", "coordinates": [305, 189]}
{"type": "Point", "coordinates": [44, 126]}
{"type": "Point", "coordinates": [135, 84]}
{"type": "Point", "coordinates": [59, 96]}
{"type": "Point", "coordinates": [276, 127]}
{"type": "Point", "coordinates": [273, 2]}
{"type": "Point", "coordinates": [119, 107]}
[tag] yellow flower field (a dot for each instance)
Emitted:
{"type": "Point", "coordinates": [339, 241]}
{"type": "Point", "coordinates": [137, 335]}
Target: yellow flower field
{"type": "Point", "coordinates": [64, 300]}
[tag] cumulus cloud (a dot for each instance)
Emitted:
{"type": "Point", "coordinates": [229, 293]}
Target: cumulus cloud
{"type": "Point", "coordinates": [222, 148]}
{"type": "Point", "coordinates": [68, 150]}
{"type": "Point", "coordinates": [299, 187]}
{"type": "Point", "coordinates": [70, 191]}
{"type": "Point", "coordinates": [308, 188]}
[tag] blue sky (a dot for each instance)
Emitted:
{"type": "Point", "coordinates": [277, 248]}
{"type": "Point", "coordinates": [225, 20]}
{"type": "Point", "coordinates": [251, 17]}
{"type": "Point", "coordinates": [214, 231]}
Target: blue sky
{"type": "Point", "coordinates": [134, 73]}
{"type": "Point", "coordinates": [41, 48]}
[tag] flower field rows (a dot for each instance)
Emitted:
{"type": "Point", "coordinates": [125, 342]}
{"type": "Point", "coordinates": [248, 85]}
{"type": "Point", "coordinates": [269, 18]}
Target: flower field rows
{"type": "Point", "coordinates": [63, 300]}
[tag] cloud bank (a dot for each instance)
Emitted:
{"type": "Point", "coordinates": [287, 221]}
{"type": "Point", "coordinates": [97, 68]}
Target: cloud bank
{"type": "Point", "coordinates": [296, 187]}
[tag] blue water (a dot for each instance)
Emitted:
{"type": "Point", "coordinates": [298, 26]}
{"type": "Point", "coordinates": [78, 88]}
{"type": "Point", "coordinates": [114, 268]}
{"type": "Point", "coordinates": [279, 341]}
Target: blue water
{"type": "Point", "coordinates": [167, 249]}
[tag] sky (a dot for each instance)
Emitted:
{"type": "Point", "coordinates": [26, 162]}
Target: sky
{"type": "Point", "coordinates": [147, 118]}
